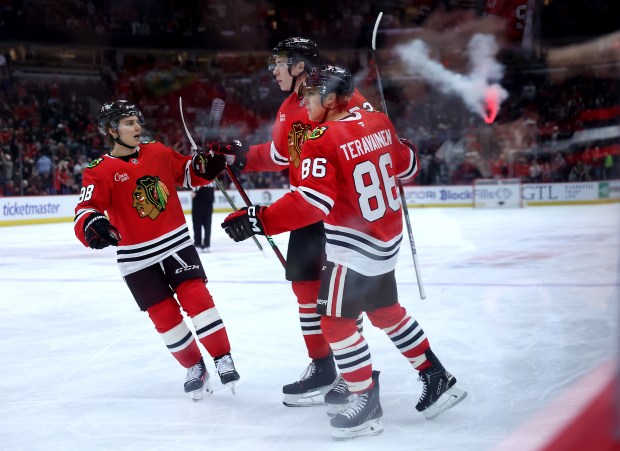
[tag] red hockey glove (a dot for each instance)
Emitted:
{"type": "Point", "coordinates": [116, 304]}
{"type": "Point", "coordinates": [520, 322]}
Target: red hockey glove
{"type": "Point", "coordinates": [99, 232]}
{"type": "Point", "coordinates": [208, 166]}
{"type": "Point", "coordinates": [244, 223]}
{"type": "Point", "coordinates": [235, 152]}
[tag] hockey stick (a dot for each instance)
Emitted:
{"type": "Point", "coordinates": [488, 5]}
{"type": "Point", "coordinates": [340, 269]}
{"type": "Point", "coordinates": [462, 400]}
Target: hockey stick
{"type": "Point", "coordinates": [403, 199]}
{"type": "Point", "coordinates": [215, 117]}
{"type": "Point", "coordinates": [216, 181]}
{"type": "Point", "coordinates": [248, 202]}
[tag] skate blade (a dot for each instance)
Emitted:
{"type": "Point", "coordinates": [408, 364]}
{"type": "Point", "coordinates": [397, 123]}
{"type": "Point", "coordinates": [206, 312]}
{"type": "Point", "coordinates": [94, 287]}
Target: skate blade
{"type": "Point", "coordinates": [449, 399]}
{"type": "Point", "coordinates": [371, 427]}
{"type": "Point", "coordinates": [204, 392]}
{"type": "Point", "coordinates": [231, 385]}
{"type": "Point", "coordinates": [308, 399]}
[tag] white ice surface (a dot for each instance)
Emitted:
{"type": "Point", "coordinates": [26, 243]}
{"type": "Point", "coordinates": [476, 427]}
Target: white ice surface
{"type": "Point", "coordinates": [520, 305]}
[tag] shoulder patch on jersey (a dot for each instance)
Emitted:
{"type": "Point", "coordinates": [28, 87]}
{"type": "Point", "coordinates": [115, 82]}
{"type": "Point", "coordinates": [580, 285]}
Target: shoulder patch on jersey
{"type": "Point", "coordinates": [94, 163]}
{"type": "Point", "coordinates": [317, 132]}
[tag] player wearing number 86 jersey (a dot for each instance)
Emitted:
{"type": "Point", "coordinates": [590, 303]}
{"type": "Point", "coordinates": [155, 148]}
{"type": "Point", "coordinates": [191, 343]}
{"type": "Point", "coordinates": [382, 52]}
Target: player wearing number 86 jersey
{"type": "Point", "coordinates": [349, 170]}
{"type": "Point", "coordinates": [348, 177]}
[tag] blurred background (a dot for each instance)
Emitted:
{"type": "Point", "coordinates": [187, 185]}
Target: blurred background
{"type": "Point", "coordinates": [559, 71]}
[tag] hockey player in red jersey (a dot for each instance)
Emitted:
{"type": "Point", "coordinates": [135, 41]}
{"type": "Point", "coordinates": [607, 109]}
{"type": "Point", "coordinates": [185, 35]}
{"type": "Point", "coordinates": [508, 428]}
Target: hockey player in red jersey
{"type": "Point", "coordinates": [349, 170]}
{"type": "Point", "coordinates": [291, 60]}
{"type": "Point", "coordinates": [128, 199]}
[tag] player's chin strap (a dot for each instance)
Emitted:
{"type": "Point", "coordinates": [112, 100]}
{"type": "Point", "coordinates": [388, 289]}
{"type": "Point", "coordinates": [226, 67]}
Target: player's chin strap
{"type": "Point", "coordinates": [295, 77]}
{"type": "Point", "coordinates": [118, 141]}
{"type": "Point", "coordinates": [327, 110]}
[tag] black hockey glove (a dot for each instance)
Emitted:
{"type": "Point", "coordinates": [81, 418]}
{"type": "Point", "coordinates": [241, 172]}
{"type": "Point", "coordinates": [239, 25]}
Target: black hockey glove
{"type": "Point", "coordinates": [235, 152]}
{"type": "Point", "coordinates": [244, 223]}
{"type": "Point", "coordinates": [99, 232]}
{"type": "Point", "coordinates": [208, 166]}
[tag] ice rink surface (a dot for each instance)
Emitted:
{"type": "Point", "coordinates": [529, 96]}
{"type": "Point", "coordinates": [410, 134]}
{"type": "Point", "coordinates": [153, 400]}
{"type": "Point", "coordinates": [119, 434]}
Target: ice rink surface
{"type": "Point", "coordinates": [521, 304]}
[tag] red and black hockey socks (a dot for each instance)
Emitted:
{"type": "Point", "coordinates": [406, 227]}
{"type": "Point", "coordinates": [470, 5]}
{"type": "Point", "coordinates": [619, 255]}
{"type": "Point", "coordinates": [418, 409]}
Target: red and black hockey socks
{"type": "Point", "coordinates": [307, 293]}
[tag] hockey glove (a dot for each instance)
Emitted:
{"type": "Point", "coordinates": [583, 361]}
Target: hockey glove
{"type": "Point", "coordinates": [235, 152]}
{"type": "Point", "coordinates": [208, 166]}
{"type": "Point", "coordinates": [99, 232]}
{"type": "Point", "coordinates": [244, 223]}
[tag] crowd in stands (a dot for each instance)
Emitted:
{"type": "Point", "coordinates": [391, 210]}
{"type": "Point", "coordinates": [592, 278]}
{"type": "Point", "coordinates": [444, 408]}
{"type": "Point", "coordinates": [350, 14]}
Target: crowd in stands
{"type": "Point", "coordinates": [546, 131]}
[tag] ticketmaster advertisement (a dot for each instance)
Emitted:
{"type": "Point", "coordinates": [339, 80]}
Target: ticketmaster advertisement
{"type": "Point", "coordinates": [46, 209]}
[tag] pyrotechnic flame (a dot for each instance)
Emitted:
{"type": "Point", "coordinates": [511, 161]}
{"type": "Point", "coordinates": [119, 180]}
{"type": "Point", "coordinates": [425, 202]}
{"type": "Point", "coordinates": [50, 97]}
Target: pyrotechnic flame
{"type": "Point", "coordinates": [492, 101]}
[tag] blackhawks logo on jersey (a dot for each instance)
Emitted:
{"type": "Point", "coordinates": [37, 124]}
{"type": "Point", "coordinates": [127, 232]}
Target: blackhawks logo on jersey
{"type": "Point", "coordinates": [317, 132]}
{"type": "Point", "coordinates": [296, 138]}
{"type": "Point", "coordinates": [94, 163]}
{"type": "Point", "coordinates": [150, 196]}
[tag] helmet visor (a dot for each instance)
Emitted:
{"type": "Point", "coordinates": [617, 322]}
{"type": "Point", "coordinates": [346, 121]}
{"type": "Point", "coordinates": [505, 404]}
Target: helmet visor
{"type": "Point", "coordinates": [277, 61]}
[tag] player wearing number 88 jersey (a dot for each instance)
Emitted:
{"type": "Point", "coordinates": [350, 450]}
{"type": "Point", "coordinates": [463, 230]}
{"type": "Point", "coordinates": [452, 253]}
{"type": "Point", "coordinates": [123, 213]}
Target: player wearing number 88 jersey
{"type": "Point", "coordinates": [349, 170]}
{"type": "Point", "coordinates": [129, 200]}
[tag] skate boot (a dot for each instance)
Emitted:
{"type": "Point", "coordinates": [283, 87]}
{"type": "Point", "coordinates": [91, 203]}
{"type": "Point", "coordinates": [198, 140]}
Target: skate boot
{"type": "Point", "coordinates": [197, 381]}
{"type": "Point", "coordinates": [338, 397]}
{"type": "Point", "coordinates": [226, 370]}
{"type": "Point", "coordinates": [361, 417]}
{"type": "Point", "coordinates": [439, 393]}
{"type": "Point", "coordinates": [314, 383]}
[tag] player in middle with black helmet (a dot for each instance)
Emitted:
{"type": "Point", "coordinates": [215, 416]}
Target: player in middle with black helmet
{"type": "Point", "coordinates": [290, 63]}
{"type": "Point", "coordinates": [351, 166]}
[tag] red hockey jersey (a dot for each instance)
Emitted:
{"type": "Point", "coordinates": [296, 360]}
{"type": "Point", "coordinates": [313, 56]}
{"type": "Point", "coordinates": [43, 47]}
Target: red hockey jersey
{"type": "Point", "coordinates": [348, 179]}
{"type": "Point", "coordinates": [139, 196]}
{"type": "Point", "coordinates": [288, 134]}
{"type": "Point", "coordinates": [514, 12]}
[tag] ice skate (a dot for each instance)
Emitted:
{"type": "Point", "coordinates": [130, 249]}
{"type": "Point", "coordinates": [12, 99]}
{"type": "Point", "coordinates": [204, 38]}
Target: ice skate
{"type": "Point", "coordinates": [226, 370]}
{"type": "Point", "coordinates": [361, 417]}
{"type": "Point", "coordinates": [338, 398]}
{"type": "Point", "coordinates": [439, 393]}
{"type": "Point", "coordinates": [315, 382]}
{"type": "Point", "coordinates": [197, 381]}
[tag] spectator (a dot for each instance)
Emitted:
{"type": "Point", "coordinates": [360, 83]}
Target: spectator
{"type": "Point", "coordinates": [608, 165]}
{"type": "Point", "coordinates": [43, 165]}
{"type": "Point", "coordinates": [6, 163]}
{"type": "Point", "coordinates": [558, 168]}
{"type": "Point", "coordinates": [466, 172]}
{"type": "Point", "coordinates": [579, 173]}
{"type": "Point", "coordinates": [78, 168]}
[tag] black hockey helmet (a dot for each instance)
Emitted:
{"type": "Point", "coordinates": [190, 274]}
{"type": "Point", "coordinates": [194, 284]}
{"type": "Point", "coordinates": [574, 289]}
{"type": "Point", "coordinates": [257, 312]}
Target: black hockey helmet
{"type": "Point", "coordinates": [111, 113]}
{"type": "Point", "coordinates": [295, 49]}
{"type": "Point", "coordinates": [331, 78]}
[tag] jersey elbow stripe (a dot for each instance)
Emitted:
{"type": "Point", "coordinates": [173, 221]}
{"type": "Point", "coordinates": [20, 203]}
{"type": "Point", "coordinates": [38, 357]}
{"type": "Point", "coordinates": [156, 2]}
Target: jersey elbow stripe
{"type": "Point", "coordinates": [277, 157]}
{"type": "Point", "coordinates": [317, 200]}
{"type": "Point", "coordinates": [83, 212]}
{"type": "Point", "coordinates": [411, 171]}
{"type": "Point", "coordinates": [187, 180]}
